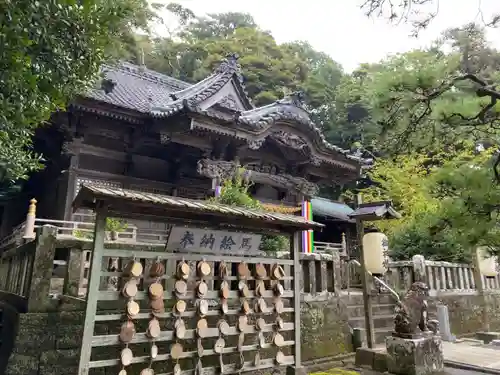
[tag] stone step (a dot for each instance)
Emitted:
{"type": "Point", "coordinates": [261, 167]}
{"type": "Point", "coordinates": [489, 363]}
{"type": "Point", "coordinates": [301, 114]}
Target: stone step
{"type": "Point", "coordinates": [378, 309]}
{"type": "Point", "coordinates": [379, 321]}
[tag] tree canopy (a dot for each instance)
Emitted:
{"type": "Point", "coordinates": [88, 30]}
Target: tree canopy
{"type": "Point", "coordinates": [430, 116]}
{"type": "Point", "coordinates": [271, 70]}
{"type": "Point", "coordinates": [414, 108]}
{"type": "Point", "coordinates": [52, 50]}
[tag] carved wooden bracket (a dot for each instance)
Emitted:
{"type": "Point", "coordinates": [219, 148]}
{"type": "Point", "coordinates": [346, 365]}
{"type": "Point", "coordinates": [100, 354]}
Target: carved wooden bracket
{"type": "Point", "coordinates": [221, 169]}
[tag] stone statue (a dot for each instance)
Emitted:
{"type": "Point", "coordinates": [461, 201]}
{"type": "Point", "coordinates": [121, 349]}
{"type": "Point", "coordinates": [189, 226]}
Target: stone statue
{"type": "Point", "coordinates": [411, 312]}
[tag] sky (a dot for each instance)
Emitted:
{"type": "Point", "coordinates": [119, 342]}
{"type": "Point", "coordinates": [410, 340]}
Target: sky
{"type": "Point", "coordinates": [340, 29]}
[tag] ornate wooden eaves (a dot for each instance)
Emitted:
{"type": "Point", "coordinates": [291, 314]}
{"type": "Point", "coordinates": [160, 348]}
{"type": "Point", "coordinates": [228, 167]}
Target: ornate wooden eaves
{"type": "Point", "coordinates": [222, 170]}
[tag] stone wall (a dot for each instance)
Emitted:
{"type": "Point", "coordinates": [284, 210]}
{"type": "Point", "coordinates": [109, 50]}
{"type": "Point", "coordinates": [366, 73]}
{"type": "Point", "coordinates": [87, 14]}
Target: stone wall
{"type": "Point", "coordinates": [324, 328]}
{"type": "Point", "coordinates": [466, 311]}
{"type": "Point", "coordinates": [46, 344]}
{"type": "Point", "coordinates": [49, 343]}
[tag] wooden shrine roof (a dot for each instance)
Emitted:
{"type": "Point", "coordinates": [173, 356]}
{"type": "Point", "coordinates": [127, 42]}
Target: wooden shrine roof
{"type": "Point", "coordinates": [150, 94]}
{"type": "Point", "coordinates": [132, 204]}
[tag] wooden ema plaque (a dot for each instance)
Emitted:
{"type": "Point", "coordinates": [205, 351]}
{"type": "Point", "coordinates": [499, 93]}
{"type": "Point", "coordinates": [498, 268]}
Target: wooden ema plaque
{"type": "Point", "coordinates": [196, 311]}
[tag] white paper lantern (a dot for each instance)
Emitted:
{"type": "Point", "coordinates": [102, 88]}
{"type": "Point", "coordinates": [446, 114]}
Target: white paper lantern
{"type": "Point", "coordinates": [375, 248]}
{"type": "Point", "coordinates": [487, 264]}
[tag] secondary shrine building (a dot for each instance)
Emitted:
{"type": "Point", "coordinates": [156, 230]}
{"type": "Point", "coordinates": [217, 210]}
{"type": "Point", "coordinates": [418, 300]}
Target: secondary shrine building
{"type": "Point", "coordinates": [145, 131]}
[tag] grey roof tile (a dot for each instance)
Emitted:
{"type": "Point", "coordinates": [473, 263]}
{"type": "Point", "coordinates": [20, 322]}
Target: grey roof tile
{"type": "Point", "coordinates": [146, 91]}
{"type": "Point", "coordinates": [135, 89]}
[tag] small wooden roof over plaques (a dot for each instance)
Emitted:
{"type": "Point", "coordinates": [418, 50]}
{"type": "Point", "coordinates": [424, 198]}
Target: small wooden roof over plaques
{"type": "Point", "coordinates": [124, 203]}
{"type": "Point", "coordinates": [375, 211]}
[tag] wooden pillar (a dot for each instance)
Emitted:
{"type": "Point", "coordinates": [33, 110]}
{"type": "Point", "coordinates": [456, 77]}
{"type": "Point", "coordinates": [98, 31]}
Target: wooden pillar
{"type": "Point", "coordinates": [43, 263]}
{"type": "Point", "coordinates": [72, 178]}
{"type": "Point", "coordinates": [367, 302]}
{"type": "Point", "coordinates": [93, 289]}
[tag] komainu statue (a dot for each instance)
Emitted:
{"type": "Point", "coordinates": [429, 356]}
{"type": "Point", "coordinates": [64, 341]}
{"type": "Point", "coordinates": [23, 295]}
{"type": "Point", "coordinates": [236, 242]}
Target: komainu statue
{"type": "Point", "coordinates": [411, 312]}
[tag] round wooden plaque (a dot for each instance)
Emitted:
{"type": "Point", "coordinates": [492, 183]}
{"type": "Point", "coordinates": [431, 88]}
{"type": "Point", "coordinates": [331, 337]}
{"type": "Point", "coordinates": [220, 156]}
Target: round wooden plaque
{"type": "Point", "coordinates": [126, 356]}
{"type": "Point", "coordinates": [157, 270]}
{"type": "Point", "coordinates": [245, 307]}
{"type": "Point", "coordinates": [147, 371]}
{"type": "Point", "coordinates": [278, 339]}
{"type": "Point", "coordinates": [136, 269]}
{"type": "Point", "coordinates": [203, 307]}
{"type": "Point", "coordinates": [202, 289]}
{"type": "Point", "coordinates": [277, 272]}
{"type": "Point", "coordinates": [127, 270]}
{"type": "Point", "coordinates": [201, 328]}
{"type": "Point", "coordinates": [262, 305]}
{"type": "Point", "coordinates": [157, 306]}
{"type": "Point", "coordinates": [127, 332]}
{"type": "Point", "coordinates": [180, 329]}
{"type": "Point", "coordinates": [154, 329]}
{"type": "Point", "coordinates": [180, 287]}
{"type": "Point", "coordinates": [154, 351]}
{"type": "Point", "coordinates": [133, 308]}
{"type": "Point", "coordinates": [180, 306]}
{"type": "Point", "coordinates": [204, 269]}
{"type": "Point", "coordinates": [183, 271]}
{"type": "Point", "coordinates": [243, 271]}
{"type": "Point", "coordinates": [176, 351]}
{"type": "Point", "coordinates": [242, 323]}
{"type": "Point", "coordinates": [260, 288]}
{"type": "Point", "coordinates": [201, 323]}
{"type": "Point", "coordinates": [278, 289]}
{"type": "Point", "coordinates": [122, 372]}
{"type": "Point", "coordinates": [224, 290]}
{"type": "Point", "coordinates": [222, 270]}
{"type": "Point", "coordinates": [278, 305]}
{"type": "Point", "coordinates": [260, 271]}
{"type": "Point", "coordinates": [156, 291]}
{"type": "Point", "coordinates": [224, 327]}
{"type": "Point", "coordinates": [219, 346]}
{"type": "Point", "coordinates": [245, 292]}
{"type": "Point", "coordinates": [280, 358]}
{"type": "Point", "coordinates": [130, 289]}
{"type": "Point", "coordinates": [241, 284]}
{"type": "Point", "coordinates": [260, 324]}
{"type": "Point", "coordinates": [224, 308]}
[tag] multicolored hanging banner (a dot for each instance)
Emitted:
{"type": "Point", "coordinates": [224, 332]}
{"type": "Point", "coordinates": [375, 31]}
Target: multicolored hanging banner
{"type": "Point", "coordinates": [307, 235]}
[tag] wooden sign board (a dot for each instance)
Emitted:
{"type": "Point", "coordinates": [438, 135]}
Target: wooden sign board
{"type": "Point", "coordinates": [213, 241]}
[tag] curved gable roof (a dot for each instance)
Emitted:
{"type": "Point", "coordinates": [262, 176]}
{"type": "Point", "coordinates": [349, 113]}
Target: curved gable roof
{"type": "Point", "coordinates": [153, 94]}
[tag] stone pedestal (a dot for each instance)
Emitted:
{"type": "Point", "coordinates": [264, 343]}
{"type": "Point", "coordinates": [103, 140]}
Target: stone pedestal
{"type": "Point", "coordinates": [415, 356]}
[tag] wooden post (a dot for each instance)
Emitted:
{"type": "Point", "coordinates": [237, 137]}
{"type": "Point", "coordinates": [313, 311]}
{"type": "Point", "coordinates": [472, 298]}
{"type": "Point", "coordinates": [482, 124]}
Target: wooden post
{"type": "Point", "coordinates": [343, 243]}
{"type": "Point", "coordinates": [73, 272]}
{"type": "Point", "coordinates": [295, 256]}
{"type": "Point", "coordinates": [367, 302]}
{"type": "Point", "coordinates": [479, 281]}
{"type": "Point", "coordinates": [93, 289]}
{"type": "Point", "coordinates": [29, 229]}
{"type": "Point", "coordinates": [43, 264]}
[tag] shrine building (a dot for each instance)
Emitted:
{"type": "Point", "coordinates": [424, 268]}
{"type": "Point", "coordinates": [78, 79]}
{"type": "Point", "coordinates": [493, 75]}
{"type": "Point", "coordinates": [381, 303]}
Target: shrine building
{"type": "Point", "coordinates": [145, 131]}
